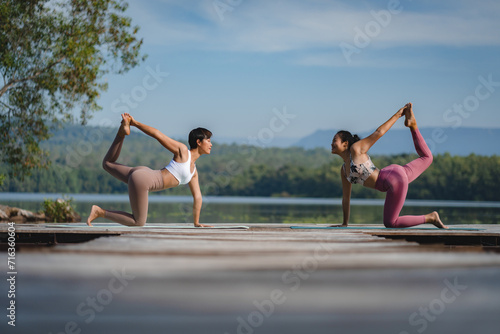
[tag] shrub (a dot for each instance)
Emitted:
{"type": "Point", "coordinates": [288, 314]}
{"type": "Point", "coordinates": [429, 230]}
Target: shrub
{"type": "Point", "coordinates": [60, 210]}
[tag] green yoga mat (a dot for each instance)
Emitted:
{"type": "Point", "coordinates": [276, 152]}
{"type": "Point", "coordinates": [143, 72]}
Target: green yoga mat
{"type": "Point", "coordinates": [99, 226]}
{"type": "Point", "coordinates": [382, 228]}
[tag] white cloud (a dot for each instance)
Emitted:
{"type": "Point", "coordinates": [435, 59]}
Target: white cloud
{"type": "Point", "coordinates": [314, 28]}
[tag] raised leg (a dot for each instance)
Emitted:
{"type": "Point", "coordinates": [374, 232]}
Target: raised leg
{"type": "Point", "coordinates": [418, 166]}
{"type": "Point", "coordinates": [119, 171]}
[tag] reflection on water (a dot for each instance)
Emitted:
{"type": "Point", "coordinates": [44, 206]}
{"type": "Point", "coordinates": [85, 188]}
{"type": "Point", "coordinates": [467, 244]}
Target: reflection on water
{"type": "Point", "coordinates": [245, 211]}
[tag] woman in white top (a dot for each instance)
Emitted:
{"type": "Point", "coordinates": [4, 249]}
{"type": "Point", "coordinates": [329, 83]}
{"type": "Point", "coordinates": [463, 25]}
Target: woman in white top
{"type": "Point", "coordinates": [141, 180]}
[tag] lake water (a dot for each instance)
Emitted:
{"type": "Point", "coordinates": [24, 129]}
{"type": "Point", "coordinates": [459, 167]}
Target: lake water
{"type": "Point", "coordinates": [259, 210]}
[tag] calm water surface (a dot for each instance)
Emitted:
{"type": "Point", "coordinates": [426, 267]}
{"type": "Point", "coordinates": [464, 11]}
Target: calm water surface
{"type": "Point", "coordinates": [257, 210]}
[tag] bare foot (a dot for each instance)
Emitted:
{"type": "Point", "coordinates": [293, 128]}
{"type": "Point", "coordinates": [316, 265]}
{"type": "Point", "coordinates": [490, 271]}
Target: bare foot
{"type": "Point", "coordinates": [124, 127]}
{"type": "Point", "coordinates": [410, 120]}
{"type": "Point", "coordinates": [433, 218]}
{"type": "Point", "coordinates": [95, 212]}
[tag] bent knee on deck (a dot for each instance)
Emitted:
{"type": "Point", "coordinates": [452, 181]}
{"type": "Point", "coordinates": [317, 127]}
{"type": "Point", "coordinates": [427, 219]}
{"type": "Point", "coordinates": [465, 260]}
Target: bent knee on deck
{"type": "Point", "coordinates": [390, 224]}
{"type": "Point", "coordinates": [140, 223]}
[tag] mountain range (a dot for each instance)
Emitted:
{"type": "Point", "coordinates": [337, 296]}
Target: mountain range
{"type": "Point", "coordinates": [461, 141]}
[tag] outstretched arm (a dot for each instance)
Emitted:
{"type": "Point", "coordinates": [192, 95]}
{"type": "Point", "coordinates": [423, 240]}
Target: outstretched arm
{"type": "Point", "coordinates": [362, 146]}
{"type": "Point", "coordinates": [170, 144]}
{"type": "Point", "coordinates": [194, 186]}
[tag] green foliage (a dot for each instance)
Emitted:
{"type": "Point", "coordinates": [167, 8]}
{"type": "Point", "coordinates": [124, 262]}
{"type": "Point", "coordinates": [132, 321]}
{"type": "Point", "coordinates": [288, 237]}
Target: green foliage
{"type": "Point", "coordinates": [60, 210]}
{"type": "Point", "coordinates": [53, 56]}
{"type": "Point", "coordinates": [240, 170]}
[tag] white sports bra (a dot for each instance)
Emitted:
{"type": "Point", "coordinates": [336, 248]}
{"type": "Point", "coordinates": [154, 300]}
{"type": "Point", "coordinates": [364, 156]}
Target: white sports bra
{"type": "Point", "coordinates": [181, 170]}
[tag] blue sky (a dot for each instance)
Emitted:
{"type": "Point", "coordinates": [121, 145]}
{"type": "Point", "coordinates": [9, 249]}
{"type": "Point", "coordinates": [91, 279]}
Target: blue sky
{"type": "Point", "coordinates": [280, 70]}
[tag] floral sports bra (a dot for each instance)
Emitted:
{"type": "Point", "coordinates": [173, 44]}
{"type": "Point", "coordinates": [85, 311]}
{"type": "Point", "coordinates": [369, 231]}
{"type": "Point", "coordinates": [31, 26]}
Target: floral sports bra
{"type": "Point", "coordinates": [360, 172]}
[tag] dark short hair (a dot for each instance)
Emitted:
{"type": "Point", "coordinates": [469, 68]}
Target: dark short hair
{"type": "Point", "coordinates": [198, 133]}
{"type": "Point", "coordinates": [348, 137]}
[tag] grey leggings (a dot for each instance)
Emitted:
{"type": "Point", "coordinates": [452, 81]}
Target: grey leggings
{"type": "Point", "coordinates": [141, 180]}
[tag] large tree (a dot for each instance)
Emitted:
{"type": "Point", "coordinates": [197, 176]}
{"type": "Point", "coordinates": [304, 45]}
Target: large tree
{"type": "Point", "coordinates": [53, 56]}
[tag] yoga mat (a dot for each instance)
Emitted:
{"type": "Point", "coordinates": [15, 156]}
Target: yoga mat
{"type": "Point", "coordinates": [98, 226]}
{"type": "Point", "coordinates": [384, 228]}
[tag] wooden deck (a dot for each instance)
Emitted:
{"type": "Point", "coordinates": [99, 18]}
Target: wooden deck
{"type": "Point", "coordinates": [265, 279]}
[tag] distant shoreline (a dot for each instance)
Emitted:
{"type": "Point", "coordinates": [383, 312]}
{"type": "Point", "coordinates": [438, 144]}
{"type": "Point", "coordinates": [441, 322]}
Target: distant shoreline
{"type": "Point", "coordinates": [34, 197]}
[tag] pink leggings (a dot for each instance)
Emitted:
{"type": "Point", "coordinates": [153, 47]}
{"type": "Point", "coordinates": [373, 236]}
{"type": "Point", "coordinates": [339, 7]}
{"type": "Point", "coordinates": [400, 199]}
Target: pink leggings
{"type": "Point", "coordinates": [140, 181]}
{"type": "Point", "coordinates": [394, 180]}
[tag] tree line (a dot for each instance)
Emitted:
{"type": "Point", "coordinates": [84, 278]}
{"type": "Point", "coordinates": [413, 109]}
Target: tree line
{"type": "Point", "coordinates": [241, 170]}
